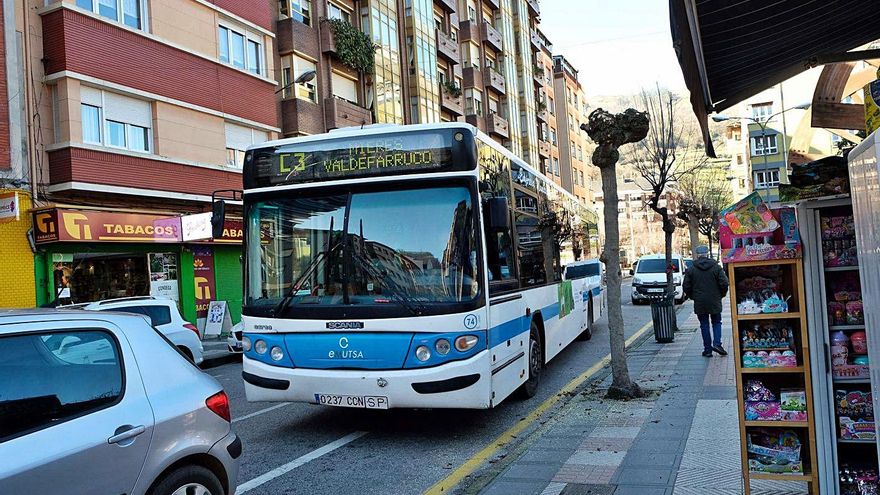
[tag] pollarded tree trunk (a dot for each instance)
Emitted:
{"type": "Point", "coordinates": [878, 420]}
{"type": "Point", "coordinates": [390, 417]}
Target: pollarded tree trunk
{"type": "Point", "coordinates": [693, 224]}
{"type": "Point", "coordinates": [610, 132]}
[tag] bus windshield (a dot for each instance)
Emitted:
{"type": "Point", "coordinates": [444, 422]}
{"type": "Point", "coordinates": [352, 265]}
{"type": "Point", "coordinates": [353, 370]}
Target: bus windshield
{"type": "Point", "coordinates": [410, 248]}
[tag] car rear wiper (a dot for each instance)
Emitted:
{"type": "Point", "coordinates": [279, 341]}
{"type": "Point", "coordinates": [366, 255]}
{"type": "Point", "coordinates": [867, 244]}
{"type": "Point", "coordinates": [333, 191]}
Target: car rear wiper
{"type": "Point", "coordinates": [398, 293]}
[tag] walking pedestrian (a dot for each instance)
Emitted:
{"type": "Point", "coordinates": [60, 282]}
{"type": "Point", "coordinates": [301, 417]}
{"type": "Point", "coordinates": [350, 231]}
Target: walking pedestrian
{"type": "Point", "coordinates": [706, 283]}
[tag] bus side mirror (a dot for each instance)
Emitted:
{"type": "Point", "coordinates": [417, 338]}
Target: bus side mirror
{"type": "Point", "coordinates": [218, 218]}
{"type": "Point", "coordinates": [498, 212]}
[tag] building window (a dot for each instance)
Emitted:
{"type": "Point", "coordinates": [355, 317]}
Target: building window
{"type": "Point", "coordinates": [336, 12]}
{"type": "Point", "coordinates": [292, 67]}
{"type": "Point", "coordinates": [471, 55]}
{"type": "Point", "coordinates": [473, 102]}
{"type": "Point", "coordinates": [241, 51]}
{"type": "Point", "coordinates": [128, 12]}
{"type": "Point", "coordinates": [764, 145]}
{"type": "Point", "coordinates": [551, 106]}
{"type": "Point", "coordinates": [493, 106]}
{"type": "Point", "coordinates": [238, 138]}
{"type": "Point", "coordinates": [345, 88]}
{"type": "Point", "coordinates": [298, 10]}
{"type": "Point", "coordinates": [766, 179]}
{"type": "Point", "coordinates": [573, 149]}
{"type": "Point", "coordinates": [553, 136]}
{"type": "Point", "coordinates": [91, 123]}
{"type": "Point", "coordinates": [110, 119]}
{"type": "Point", "coordinates": [762, 111]}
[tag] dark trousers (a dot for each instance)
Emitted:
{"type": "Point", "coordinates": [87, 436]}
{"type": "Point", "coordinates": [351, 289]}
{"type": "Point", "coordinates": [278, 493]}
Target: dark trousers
{"type": "Point", "coordinates": [708, 341]}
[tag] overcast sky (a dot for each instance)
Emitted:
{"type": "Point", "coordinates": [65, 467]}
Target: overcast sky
{"type": "Point", "coordinates": [618, 46]}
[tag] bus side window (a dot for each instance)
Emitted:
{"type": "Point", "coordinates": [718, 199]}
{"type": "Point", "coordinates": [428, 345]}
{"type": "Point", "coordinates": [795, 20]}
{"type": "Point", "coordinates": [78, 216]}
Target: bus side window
{"type": "Point", "coordinates": [495, 183]}
{"type": "Point", "coordinates": [531, 250]}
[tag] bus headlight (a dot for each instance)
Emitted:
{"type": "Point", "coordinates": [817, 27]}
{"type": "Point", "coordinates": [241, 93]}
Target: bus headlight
{"type": "Point", "coordinates": [260, 347]}
{"type": "Point", "coordinates": [276, 353]}
{"type": "Point", "coordinates": [423, 353]}
{"type": "Point", "coordinates": [245, 344]}
{"type": "Point", "coordinates": [442, 347]}
{"type": "Point", "coordinates": [466, 343]}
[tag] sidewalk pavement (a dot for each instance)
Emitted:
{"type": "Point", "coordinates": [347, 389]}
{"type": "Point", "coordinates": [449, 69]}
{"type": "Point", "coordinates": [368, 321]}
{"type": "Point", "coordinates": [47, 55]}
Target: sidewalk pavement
{"type": "Point", "coordinates": [683, 439]}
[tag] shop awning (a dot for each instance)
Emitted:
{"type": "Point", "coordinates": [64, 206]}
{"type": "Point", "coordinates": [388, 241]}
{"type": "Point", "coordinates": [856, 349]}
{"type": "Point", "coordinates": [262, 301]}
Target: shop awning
{"type": "Point", "coordinates": [730, 50]}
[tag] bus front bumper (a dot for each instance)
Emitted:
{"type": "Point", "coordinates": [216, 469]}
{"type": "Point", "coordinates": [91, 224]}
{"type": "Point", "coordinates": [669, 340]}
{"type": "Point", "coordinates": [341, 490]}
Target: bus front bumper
{"type": "Point", "coordinates": [460, 384]}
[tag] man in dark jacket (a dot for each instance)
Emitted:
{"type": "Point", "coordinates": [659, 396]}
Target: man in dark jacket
{"type": "Point", "coordinates": [706, 283]}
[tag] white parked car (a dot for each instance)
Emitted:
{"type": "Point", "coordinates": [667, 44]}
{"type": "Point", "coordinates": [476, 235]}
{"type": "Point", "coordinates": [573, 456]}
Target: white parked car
{"type": "Point", "coordinates": [649, 278]}
{"type": "Point", "coordinates": [233, 342]}
{"type": "Point", "coordinates": [164, 315]}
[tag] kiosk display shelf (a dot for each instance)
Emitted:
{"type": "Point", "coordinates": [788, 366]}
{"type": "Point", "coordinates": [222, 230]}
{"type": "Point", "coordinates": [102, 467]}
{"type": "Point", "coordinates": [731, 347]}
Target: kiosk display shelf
{"type": "Point", "coordinates": [774, 385]}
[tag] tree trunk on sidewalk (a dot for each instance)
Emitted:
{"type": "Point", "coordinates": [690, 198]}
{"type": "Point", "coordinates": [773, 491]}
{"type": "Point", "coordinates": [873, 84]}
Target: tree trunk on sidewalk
{"type": "Point", "coordinates": [693, 224]}
{"type": "Point", "coordinates": [610, 132]}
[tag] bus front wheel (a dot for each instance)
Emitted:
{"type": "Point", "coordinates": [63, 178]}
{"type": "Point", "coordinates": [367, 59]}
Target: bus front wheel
{"type": "Point", "coordinates": [536, 364]}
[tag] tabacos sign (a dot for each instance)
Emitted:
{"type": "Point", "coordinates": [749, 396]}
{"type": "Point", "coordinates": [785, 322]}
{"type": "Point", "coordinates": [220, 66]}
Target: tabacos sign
{"type": "Point", "coordinates": [85, 225]}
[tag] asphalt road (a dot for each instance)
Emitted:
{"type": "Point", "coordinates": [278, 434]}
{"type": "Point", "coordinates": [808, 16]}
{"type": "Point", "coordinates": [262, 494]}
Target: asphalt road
{"type": "Point", "coordinates": [290, 447]}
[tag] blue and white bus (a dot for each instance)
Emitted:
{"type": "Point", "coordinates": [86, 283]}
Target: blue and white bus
{"type": "Point", "coordinates": [406, 267]}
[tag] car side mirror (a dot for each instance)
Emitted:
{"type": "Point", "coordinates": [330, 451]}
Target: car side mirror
{"type": "Point", "coordinates": [218, 218]}
{"type": "Point", "coordinates": [498, 213]}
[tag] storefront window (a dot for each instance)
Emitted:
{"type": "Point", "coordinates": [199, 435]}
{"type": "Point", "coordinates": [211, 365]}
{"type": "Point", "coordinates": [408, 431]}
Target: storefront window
{"type": "Point", "coordinates": [89, 277]}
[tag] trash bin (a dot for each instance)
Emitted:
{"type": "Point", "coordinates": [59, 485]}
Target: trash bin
{"type": "Point", "coordinates": [664, 318]}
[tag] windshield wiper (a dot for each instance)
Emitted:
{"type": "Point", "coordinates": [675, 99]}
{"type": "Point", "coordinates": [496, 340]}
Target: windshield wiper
{"type": "Point", "coordinates": [397, 292]}
{"type": "Point", "coordinates": [313, 265]}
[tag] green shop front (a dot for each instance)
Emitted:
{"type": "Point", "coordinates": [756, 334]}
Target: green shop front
{"type": "Point", "coordinates": [86, 255]}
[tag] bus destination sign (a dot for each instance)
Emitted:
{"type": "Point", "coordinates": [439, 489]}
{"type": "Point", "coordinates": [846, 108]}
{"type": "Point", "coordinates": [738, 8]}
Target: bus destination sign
{"type": "Point", "coordinates": [349, 158]}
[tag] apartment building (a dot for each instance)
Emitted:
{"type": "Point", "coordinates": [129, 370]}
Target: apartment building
{"type": "Point", "coordinates": [144, 111]}
{"type": "Point", "coordinates": [576, 171]}
{"type": "Point", "coordinates": [545, 111]}
{"type": "Point", "coordinates": [16, 258]}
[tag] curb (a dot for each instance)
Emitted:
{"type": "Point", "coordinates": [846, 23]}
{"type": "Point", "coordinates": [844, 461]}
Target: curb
{"type": "Point", "coordinates": [215, 361]}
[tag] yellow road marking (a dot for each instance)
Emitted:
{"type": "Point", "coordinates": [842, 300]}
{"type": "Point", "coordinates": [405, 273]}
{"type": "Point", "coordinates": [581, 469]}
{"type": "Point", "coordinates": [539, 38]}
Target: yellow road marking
{"type": "Point", "coordinates": [489, 451]}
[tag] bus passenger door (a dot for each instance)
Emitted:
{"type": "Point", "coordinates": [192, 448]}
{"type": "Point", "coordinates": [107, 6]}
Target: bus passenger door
{"type": "Point", "coordinates": [508, 343]}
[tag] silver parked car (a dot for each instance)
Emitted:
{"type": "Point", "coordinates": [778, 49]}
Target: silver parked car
{"type": "Point", "coordinates": [99, 402]}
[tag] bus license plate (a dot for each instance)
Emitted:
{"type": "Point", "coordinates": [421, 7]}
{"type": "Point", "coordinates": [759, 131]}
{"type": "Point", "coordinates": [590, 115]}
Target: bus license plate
{"type": "Point", "coordinates": [364, 402]}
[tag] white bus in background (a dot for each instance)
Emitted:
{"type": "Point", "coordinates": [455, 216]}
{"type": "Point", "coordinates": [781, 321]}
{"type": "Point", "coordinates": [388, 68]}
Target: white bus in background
{"type": "Point", "coordinates": [405, 266]}
{"type": "Point", "coordinates": [588, 283]}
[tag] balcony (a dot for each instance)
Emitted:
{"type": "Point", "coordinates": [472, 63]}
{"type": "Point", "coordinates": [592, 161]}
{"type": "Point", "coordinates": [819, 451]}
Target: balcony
{"type": "Point", "coordinates": [296, 36]}
{"type": "Point", "coordinates": [534, 8]}
{"type": "Point", "coordinates": [448, 48]}
{"type": "Point", "coordinates": [472, 77]}
{"type": "Point", "coordinates": [448, 5]}
{"type": "Point", "coordinates": [495, 4]}
{"type": "Point", "coordinates": [496, 125]}
{"type": "Point", "coordinates": [492, 37]}
{"type": "Point", "coordinates": [300, 116]}
{"type": "Point", "coordinates": [496, 82]}
{"type": "Point", "coordinates": [469, 31]}
{"type": "Point", "coordinates": [538, 75]}
{"type": "Point", "coordinates": [544, 148]}
{"type": "Point", "coordinates": [477, 121]}
{"type": "Point", "coordinates": [542, 113]}
{"type": "Point", "coordinates": [450, 103]}
{"type": "Point", "coordinates": [328, 40]}
{"type": "Point", "coordinates": [343, 113]}
{"type": "Point", "coordinates": [535, 38]}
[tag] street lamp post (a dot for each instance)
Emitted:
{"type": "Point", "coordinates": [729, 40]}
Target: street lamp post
{"type": "Point", "coordinates": [763, 125]}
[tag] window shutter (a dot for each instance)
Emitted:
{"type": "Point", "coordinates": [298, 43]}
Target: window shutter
{"type": "Point", "coordinates": [128, 110]}
{"type": "Point", "coordinates": [90, 96]}
{"type": "Point", "coordinates": [344, 88]}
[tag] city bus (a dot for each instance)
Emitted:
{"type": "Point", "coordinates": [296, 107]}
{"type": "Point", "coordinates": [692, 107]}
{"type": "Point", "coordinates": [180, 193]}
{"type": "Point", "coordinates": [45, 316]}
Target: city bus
{"type": "Point", "coordinates": [415, 266]}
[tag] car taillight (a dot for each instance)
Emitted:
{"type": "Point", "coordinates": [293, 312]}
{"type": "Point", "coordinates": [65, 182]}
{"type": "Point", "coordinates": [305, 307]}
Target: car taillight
{"type": "Point", "coordinates": [219, 404]}
{"type": "Point", "coordinates": [193, 328]}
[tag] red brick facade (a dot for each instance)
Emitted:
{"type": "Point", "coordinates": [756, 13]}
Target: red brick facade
{"type": "Point", "coordinates": [257, 11]}
{"type": "Point", "coordinates": [98, 167]}
{"type": "Point", "coordinates": [79, 43]}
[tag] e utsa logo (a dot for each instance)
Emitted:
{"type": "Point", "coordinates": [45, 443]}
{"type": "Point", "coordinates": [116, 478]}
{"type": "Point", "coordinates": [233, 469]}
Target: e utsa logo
{"type": "Point", "coordinates": [76, 225]}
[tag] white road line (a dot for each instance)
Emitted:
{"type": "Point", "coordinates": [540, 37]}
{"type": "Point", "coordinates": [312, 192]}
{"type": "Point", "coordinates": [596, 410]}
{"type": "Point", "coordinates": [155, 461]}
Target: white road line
{"type": "Point", "coordinates": [290, 466]}
{"type": "Point", "coordinates": [261, 411]}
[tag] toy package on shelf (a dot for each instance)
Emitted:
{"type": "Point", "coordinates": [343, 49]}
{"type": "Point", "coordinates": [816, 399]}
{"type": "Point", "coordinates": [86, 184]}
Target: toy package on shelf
{"type": "Point", "coordinates": [761, 293]}
{"type": "Point", "coordinates": [846, 308]}
{"type": "Point", "coordinates": [849, 357]}
{"type": "Point", "coordinates": [855, 414]}
{"type": "Point", "coordinates": [761, 403]}
{"type": "Point", "coordinates": [839, 241]}
{"type": "Point", "coordinates": [823, 177]}
{"type": "Point", "coordinates": [773, 450]}
{"type": "Point", "coordinates": [751, 231]}
{"type": "Point", "coordinates": [858, 479]}
{"type": "Point", "coordinates": [768, 345]}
